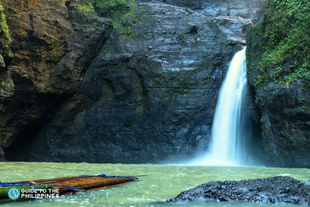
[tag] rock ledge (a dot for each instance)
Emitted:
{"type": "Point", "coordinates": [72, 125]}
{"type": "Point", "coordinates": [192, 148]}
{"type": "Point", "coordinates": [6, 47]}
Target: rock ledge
{"type": "Point", "coordinates": [274, 190]}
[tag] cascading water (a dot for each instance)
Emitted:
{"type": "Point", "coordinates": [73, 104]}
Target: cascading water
{"type": "Point", "coordinates": [227, 146]}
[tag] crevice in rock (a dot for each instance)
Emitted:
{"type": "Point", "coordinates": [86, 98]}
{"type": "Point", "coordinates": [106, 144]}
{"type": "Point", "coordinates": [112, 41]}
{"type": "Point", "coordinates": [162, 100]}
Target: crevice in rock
{"type": "Point", "coordinates": [2, 157]}
{"type": "Point", "coordinates": [194, 30]}
{"type": "Point", "coordinates": [252, 125]}
{"type": "Point", "coordinates": [23, 143]}
{"type": "Point", "coordinates": [16, 151]}
{"type": "Point", "coordinates": [254, 144]}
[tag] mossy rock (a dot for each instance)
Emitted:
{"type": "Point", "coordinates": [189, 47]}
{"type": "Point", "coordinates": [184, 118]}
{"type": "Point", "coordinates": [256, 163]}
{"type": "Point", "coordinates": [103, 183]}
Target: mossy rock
{"type": "Point", "coordinates": [123, 13]}
{"type": "Point", "coordinates": [284, 41]}
{"type": "Point", "coordinates": [5, 38]}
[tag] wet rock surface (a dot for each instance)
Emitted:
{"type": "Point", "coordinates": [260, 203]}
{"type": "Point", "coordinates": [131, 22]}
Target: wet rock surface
{"type": "Point", "coordinates": [144, 98]}
{"type": "Point", "coordinates": [250, 9]}
{"type": "Point", "coordinates": [1, 155]}
{"type": "Point", "coordinates": [52, 48]}
{"type": "Point", "coordinates": [148, 99]}
{"type": "Point", "coordinates": [275, 190]}
{"type": "Point", "coordinates": [285, 111]}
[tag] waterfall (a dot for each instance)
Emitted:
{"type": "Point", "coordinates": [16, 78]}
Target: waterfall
{"type": "Point", "coordinates": [227, 145]}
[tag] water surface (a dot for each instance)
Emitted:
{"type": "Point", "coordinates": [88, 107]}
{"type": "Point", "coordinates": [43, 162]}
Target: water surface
{"type": "Point", "coordinates": [159, 182]}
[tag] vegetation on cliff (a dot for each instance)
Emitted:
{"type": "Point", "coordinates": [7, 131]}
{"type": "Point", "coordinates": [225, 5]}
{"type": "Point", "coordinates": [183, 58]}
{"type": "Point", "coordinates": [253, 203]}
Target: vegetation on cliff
{"type": "Point", "coordinates": [123, 13]}
{"type": "Point", "coordinates": [4, 34]}
{"type": "Point", "coordinates": [285, 43]}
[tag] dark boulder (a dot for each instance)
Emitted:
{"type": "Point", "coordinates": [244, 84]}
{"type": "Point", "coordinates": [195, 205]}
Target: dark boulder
{"type": "Point", "coordinates": [274, 190]}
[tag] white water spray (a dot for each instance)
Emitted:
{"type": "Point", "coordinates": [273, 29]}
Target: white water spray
{"type": "Point", "coordinates": [227, 145]}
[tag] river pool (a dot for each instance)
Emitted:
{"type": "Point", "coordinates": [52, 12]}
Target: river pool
{"type": "Point", "coordinates": [158, 182]}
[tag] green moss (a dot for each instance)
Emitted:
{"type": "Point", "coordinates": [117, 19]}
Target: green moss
{"type": "Point", "coordinates": [123, 14]}
{"type": "Point", "coordinates": [80, 9]}
{"type": "Point", "coordinates": [286, 42]}
{"type": "Point", "coordinates": [5, 38]}
{"type": "Point", "coordinates": [84, 6]}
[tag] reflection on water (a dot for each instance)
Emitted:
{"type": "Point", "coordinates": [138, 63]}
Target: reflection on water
{"type": "Point", "coordinates": [159, 182]}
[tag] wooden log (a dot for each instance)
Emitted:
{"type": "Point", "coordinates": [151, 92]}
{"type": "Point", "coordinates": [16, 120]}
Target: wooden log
{"type": "Point", "coordinates": [69, 185]}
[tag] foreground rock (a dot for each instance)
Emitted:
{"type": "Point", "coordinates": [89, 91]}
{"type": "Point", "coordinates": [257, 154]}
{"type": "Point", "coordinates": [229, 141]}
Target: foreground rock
{"type": "Point", "coordinates": [275, 190]}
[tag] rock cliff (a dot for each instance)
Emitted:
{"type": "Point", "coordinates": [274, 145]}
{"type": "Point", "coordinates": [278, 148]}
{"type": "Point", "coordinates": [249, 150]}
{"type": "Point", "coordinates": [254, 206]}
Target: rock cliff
{"type": "Point", "coordinates": [278, 73]}
{"type": "Point", "coordinates": [246, 9]}
{"type": "Point", "coordinates": [147, 95]}
{"type": "Point", "coordinates": [53, 43]}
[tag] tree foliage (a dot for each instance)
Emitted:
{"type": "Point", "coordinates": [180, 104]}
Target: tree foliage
{"type": "Point", "coordinates": [287, 42]}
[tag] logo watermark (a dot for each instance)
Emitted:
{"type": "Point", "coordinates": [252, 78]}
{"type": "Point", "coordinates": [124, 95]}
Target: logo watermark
{"type": "Point", "coordinates": [14, 193]}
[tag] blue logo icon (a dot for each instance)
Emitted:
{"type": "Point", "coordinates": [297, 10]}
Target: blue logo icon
{"type": "Point", "coordinates": [14, 193]}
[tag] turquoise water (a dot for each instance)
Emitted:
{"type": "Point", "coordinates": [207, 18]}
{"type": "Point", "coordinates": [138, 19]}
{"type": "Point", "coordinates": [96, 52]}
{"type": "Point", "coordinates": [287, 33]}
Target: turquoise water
{"type": "Point", "coordinates": [158, 182]}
